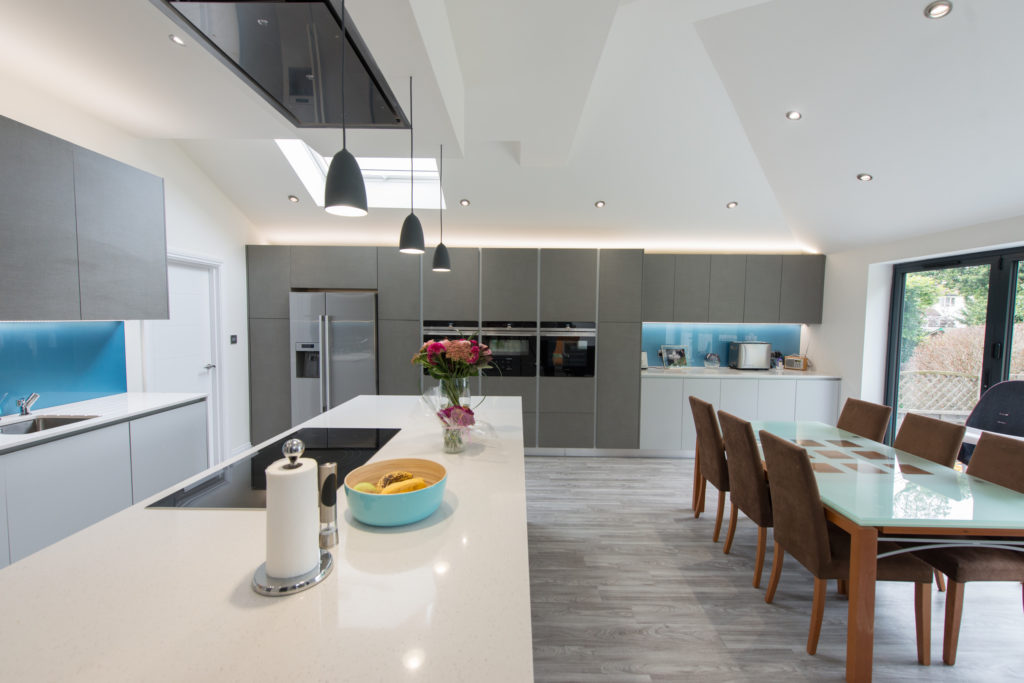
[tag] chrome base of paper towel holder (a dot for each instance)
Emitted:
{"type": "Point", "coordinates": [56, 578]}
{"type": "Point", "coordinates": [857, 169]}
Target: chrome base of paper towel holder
{"type": "Point", "coordinates": [273, 586]}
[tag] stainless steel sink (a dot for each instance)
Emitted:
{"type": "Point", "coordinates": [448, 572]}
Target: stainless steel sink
{"type": "Point", "coordinates": [42, 423]}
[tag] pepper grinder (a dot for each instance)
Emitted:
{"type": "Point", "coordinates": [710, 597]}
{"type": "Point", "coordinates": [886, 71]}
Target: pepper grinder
{"type": "Point", "coordinates": [328, 478]}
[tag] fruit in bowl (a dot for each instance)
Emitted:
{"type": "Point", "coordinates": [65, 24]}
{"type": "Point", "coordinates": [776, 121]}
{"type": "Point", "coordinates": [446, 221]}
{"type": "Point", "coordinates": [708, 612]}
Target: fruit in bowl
{"type": "Point", "coordinates": [395, 492]}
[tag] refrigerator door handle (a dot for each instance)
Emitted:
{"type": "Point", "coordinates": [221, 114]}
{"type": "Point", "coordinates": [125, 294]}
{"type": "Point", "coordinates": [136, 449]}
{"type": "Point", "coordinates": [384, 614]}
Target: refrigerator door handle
{"type": "Point", "coordinates": [325, 358]}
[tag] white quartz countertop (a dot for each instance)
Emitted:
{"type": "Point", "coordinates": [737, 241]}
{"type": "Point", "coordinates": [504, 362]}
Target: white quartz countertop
{"type": "Point", "coordinates": [164, 594]}
{"type": "Point", "coordinates": [730, 373]}
{"type": "Point", "coordinates": [107, 410]}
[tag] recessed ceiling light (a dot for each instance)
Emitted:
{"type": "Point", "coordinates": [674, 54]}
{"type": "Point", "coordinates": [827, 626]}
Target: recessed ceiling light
{"type": "Point", "coordinates": [175, 39]}
{"type": "Point", "coordinates": [293, 199]}
{"type": "Point", "coordinates": [938, 9]}
{"type": "Point", "coordinates": [864, 176]}
{"type": "Point", "coordinates": [599, 203]}
{"type": "Point", "coordinates": [794, 115]}
{"type": "Point", "coordinates": [464, 202]}
{"type": "Point", "coordinates": [732, 205]}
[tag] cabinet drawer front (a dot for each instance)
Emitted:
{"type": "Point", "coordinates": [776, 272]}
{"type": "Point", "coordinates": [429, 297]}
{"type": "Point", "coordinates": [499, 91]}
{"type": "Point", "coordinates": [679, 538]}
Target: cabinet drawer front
{"type": "Point", "coordinates": [167, 448]}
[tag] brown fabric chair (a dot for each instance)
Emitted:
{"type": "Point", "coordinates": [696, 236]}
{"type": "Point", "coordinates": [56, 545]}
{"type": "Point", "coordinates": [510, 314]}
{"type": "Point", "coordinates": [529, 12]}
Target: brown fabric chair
{"type": "Point", "coordinates": [824, 549]}
{"type": "Point", "coordinates": [1000, 460]}
{"type": "Point", "coordinates": [930, 439]}
{"type": "Point", "coordinates": [748, 484]}
{"type": "Point", "coordinates": [864, 418]}
{"type": "Point", "coordinates": [711, 452]}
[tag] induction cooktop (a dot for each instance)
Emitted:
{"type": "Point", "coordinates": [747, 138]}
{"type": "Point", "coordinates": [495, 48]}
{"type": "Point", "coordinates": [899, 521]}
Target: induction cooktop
{"type": "Point", "coordinates": [244, 484]}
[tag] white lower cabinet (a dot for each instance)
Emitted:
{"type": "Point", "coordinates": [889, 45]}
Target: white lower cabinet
{"type": "Point", "coordinates": [167, 448]}
{"type": "Point", "coordinates": [5, 547]}
{"type": "Point", "coordinates": [60, 487]}
{"type": "Point", "coordinates": [739, 397]}
{"type": "Point", "coordinates": [661, 410]}
{"type": "Point", "coordinates": [818, 401]}
{"type": "Point", "coordinates": [776, 399]}
{"type": "Point", "coordinates": [709, 390]}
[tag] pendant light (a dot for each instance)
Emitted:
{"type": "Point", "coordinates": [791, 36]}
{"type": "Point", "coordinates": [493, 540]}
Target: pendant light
{"type": "Point", "coordinates": [442, 264]}
{"type": "Point", "coordinates": [344, 190]}
{"type": "Point", "coordinates": [411, 241]}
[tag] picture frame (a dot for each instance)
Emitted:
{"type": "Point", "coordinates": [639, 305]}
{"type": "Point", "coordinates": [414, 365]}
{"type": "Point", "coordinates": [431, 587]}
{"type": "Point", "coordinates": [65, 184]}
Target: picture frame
{"type": "Point", "coordinates": [673, 355]}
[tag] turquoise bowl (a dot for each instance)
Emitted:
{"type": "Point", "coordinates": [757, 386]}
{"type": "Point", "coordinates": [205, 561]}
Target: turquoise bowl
{"type": "Point", "coordinates": [396, 509]}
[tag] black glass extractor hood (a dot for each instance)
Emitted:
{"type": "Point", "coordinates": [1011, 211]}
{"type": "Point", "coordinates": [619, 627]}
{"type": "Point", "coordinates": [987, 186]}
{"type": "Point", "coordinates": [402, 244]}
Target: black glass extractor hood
{"type": "Point", "coordinates": [290, 53]}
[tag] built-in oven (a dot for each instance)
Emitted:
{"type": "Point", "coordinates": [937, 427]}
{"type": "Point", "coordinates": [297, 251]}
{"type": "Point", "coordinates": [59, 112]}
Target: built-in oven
{"type": "Point", "coordinates": [513, 348]}
{"type": "Point", "coordinates": [436, 330]}
{"type": "Point", "coordinates": [567, 349]}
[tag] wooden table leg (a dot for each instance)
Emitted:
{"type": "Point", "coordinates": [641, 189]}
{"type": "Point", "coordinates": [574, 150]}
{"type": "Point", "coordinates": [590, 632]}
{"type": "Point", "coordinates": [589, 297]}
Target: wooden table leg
{"type": "Point", "coordinates": [861, 613]}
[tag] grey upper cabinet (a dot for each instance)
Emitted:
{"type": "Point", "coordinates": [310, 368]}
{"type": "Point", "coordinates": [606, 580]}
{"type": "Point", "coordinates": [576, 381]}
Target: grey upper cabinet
{"type": "Point", "coordinates": [268, 271]}
{"type": "Point", "coordinates": [620, 285]}
{"type": "Point", "coordinates": [725, 295]}
{"type": "Point", "coordinates": [122, 245]}
{"type": "Point", "coordinates": [398, 285]}
{"type": "Point", "coordinates": [508, 284]}
{"type": "Point", "coordinates": [618, 385]}
{"type": "Point", "coordinates": [803, 283]}
{"type": "Point", "coordinates": [690, 293]}
{"type": "Point", "coordinates": [397, 340]}
{"type": "Point", "coordinates": [455, 295]}
{"type": "Point", "coordinates": [568, 285]}
{"type": "Point", "coordinates": [319, 267]}
{"type": "Point", "coordinates": [658, 287]}
{"type": "Point", "coordinates": [39, 254]}
{"type": "Point", "coordinates": [764, 280]}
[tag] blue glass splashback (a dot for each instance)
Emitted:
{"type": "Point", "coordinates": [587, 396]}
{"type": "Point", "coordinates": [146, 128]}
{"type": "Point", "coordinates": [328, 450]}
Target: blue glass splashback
{"type": "Point", "coordinates": [703, 338]}
{"type": "Point", "coordinates": [63, 362]}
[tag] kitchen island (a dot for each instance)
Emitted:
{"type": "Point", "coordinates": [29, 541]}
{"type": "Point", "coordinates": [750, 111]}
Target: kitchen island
{"type": "Point", "coordinates": [164, 594]}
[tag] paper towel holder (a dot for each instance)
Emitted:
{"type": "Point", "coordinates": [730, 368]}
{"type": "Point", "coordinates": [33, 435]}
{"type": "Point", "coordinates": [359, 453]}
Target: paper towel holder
{"type": "Point", "coordinates": [275, 587]}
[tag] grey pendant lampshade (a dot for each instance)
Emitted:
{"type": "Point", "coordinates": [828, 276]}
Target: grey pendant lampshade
{"type": "Point", "coordinates": [442, 263]}
{"type": "Point", "coordinates": [411, 241]}
{"type": "Point", "coordinates": [344, 189]}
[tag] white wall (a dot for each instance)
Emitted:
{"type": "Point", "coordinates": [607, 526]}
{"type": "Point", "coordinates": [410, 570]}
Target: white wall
{"type": "Point", "coordinates": [200, 221]}
{"type": "Point", "coordinates": [852, 337]}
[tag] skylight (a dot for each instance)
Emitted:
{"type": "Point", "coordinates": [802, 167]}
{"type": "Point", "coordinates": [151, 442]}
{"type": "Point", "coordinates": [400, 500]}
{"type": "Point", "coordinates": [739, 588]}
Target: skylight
{"type": "Point", "coordinates": [387, 179]}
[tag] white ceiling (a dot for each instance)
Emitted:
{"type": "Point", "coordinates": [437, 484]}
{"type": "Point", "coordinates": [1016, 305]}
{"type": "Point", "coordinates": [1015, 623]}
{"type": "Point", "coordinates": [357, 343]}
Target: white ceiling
{"type": "Point", "coordinates": [665, 109]}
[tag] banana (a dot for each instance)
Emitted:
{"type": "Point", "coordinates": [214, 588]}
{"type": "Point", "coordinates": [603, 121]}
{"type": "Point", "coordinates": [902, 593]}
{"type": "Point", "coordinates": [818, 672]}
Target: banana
{"type": "Point", "coordinates": [405, 486]}
{"type": "Point", "coordinates": [392, 477]}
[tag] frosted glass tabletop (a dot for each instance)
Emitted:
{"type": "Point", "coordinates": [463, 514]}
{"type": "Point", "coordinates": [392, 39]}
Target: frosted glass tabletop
{"type": "Point", "coordinates": [876, 485]}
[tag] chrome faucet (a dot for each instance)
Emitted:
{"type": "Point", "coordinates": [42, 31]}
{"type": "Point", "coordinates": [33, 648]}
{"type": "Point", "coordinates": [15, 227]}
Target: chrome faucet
{"type": "Point", "coordinates": [26, 403]}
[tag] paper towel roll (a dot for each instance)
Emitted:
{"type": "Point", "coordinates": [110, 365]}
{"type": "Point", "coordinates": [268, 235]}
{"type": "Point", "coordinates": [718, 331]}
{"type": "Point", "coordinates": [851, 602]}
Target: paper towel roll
{"type": "Point", "coordinates": [293, 519]}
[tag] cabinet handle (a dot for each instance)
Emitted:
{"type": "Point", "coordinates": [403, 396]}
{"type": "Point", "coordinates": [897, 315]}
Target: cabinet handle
{"type": "Point", "coordinates": [209, 366]}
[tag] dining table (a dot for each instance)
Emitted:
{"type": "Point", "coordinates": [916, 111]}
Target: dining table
{"type": "Point", "coordinates": [871, 490]}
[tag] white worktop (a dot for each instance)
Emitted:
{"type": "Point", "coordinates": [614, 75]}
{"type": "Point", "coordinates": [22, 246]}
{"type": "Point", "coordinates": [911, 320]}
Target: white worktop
{"type": "Point", "coordinates": [164, 594]}
{"type": "Point", "coordinates": [107, 409]}
{"type": "Point", "coordinates": [730, 373]}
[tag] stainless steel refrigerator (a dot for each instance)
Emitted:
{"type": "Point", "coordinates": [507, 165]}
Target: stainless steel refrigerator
{"type": "Point", "coordinates": [334, 349]}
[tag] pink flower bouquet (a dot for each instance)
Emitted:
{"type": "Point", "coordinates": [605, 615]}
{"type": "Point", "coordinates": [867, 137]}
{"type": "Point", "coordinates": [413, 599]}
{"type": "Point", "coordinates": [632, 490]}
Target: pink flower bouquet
{"type": "Point", "coordinates": [453, 359]}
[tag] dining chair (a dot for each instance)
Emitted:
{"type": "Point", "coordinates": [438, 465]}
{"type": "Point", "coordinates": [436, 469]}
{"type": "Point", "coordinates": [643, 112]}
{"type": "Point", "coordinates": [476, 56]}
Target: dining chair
{"type": "Point", "coordinates": [1000, 460]}
{"type": "Point", "coordinates": [1000, 410]}
{"type": "Point", "coordinates": [823, 548]}
{"type": "Point", "coordinates": [748, 484]}
{"type": "Point", "coordinates": [930, 439]}
{"type": "Point", "coordinates": [864, 418]}
{"type": "Point", "coordinates": [711, 453]}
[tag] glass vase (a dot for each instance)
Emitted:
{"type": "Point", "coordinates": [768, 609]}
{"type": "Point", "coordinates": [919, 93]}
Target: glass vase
{"type": "Point", "coordinates": [454, 439]}
{"type": "Point", "coordinates": [455, 391]}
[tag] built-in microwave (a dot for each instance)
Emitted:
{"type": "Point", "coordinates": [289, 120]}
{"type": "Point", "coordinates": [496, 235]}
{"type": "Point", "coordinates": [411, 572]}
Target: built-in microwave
{"type": "Point", "coordinates": [513, 348]}
{"type": "Point", "coordinates": [567, 349]}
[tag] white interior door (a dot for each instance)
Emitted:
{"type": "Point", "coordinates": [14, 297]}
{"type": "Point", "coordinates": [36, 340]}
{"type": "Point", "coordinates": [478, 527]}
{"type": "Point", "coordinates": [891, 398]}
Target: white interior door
{"type": "Point", "coordinates": [180, 354]}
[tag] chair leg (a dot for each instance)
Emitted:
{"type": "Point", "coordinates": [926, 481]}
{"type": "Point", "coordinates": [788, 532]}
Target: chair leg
{"type": "Point", "coordinates": [773, 582]}
{"type": "Point", "coordinates": [923, 622]}
{"type": "Point", "coordinates": [940, 581]}
{"type": "Point", "coordinates": [954, 610]}
{"type": "Point", "coordinates": [699, 483]}
{"type": "Point", "coordinates": [817, 612]}
{"type": "Point", "coordinates": [733, 513]}
{"type": "Point", "coordinates": [762, 541]}
{"type": "Point", "coordinates": [719, 516]}
{"type": "Point", "coordinates": [842, 586]}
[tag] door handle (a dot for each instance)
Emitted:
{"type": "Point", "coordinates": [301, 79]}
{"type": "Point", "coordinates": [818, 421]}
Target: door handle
{"type": "Point", "coordinates": [997, 350]}
{"type": "Point", "coordinates": [209, 366]}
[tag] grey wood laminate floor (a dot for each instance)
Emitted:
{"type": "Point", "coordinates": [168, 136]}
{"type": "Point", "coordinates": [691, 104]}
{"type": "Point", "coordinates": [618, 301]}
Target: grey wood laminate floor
{"type": "Point", "coordinates": [627, 586]}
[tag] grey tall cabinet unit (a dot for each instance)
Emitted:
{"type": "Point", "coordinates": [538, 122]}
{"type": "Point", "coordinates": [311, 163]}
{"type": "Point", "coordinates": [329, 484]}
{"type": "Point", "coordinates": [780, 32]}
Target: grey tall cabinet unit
{"type": "Point", "coordinates": [620, 289]}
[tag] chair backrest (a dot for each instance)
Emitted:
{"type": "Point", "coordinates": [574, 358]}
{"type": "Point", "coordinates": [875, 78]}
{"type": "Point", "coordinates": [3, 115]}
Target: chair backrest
{"type": "Point", "coordinates": [710, 448]}
{"type": "Point", "coordinates": [929, 438]}
{"type": "Point", "coordinates": [748, 488]}
{"type": "Point", "coordinates": [864, 418]}
{"type": "Point", "coordinates": [799, 516]}
{"type": "Point", "coordinates": [1000, 460]}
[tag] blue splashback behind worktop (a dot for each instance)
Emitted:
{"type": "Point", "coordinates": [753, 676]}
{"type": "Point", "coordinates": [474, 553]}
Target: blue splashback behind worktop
{"type": "Point", "coordinates": [63, 362]}
{"type": "Point", "coordinates": [703, 338]}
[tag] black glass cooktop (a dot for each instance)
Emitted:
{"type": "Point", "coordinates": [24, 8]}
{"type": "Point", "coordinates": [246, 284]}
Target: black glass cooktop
{"type": "Point", "coordinates": [244, 483]}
